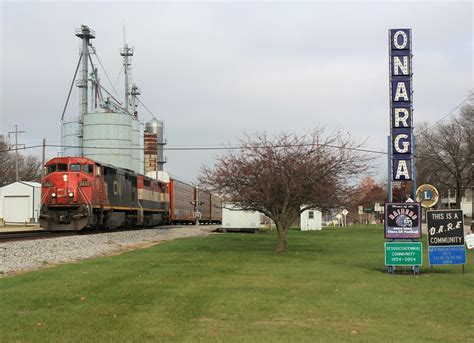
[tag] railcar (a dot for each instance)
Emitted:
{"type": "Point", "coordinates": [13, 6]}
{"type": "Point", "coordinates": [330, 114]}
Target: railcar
{"type": "Point", "coordinates": [216, 209]}
{"type": "Point", "coordinates": [203, 201]}
{"type": "Point", "coordinates": [78, 192]}
{"type": "Point", "coordinates": [182, 202]}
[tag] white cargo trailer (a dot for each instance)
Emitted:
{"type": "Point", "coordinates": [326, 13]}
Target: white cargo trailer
{"type": "Point", "coordinates": [235, 219]}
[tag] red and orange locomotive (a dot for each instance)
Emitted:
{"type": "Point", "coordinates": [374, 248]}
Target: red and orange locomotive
{"type": "Point", "coordinates": [78, 192]}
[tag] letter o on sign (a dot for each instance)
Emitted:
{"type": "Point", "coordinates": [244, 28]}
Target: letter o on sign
{"type": "Point", "coordinates": [404, 40]}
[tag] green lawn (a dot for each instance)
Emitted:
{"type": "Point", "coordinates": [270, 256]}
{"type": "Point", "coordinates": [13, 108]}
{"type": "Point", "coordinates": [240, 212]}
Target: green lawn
{"type": "Point", "coordinates": [329, 286]}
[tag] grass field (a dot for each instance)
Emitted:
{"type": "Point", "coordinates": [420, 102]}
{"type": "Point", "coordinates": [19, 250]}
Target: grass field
{"type": "Point", "coordinates": [328, 286]}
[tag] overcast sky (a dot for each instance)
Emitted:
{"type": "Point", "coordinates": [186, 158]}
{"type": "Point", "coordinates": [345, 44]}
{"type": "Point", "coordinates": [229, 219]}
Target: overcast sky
{"type": "Point", "coordinates": [214, 71]}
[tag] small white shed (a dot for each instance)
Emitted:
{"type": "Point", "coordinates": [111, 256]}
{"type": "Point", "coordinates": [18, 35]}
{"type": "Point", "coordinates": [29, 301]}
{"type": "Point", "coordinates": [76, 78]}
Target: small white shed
{"type": "Point", "coordinates": [311, 220]}
{"type": "Point", "coordinates": [21, 202]}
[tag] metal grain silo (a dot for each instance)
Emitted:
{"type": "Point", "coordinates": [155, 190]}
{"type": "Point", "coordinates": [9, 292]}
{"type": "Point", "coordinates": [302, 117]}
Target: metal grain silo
{"type": "Point", "coordinates": [142, 149]}
{"type": "Point", "coordinates": [157, 127]}
{"type": "Point", "coordinates": [71, 138]}
{"type": "Point", "coordinates": [150, 148]}
{"type": "Point", "coordinates": [135, 146]}
{"type": "Point", "coordinates": [107, 138]}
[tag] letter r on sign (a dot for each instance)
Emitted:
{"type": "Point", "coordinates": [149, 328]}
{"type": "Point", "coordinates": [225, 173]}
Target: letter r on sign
{"type": "Point", "coordinates": [401, 117]}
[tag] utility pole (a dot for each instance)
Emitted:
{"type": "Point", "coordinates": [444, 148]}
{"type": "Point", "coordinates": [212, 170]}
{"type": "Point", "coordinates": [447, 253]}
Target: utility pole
{"type": "Point", "coordinates": [16, 132]}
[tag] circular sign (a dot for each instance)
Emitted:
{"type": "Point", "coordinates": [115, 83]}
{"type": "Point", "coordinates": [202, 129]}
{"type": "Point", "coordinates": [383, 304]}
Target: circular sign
{"type": "Point", "coordinates": [427, 195]}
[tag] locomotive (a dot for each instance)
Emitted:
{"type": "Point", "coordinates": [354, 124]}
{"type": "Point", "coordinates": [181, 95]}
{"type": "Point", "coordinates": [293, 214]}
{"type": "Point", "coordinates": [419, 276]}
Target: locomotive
{"type": "Point", "coordinates": [78, 192]}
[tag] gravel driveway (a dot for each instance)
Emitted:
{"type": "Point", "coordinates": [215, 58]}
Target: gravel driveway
{"type": "Point", "coordinates": [33, 254]}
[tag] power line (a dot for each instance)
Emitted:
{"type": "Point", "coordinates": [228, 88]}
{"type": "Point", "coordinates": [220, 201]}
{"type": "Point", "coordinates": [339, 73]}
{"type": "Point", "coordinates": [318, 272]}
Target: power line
{"type": "Point", "coordinates": [209, 148]}
{"type": "Point", "coordinates": [451, 112]}
{"type": "Point", "coordinates": [105, 72]}
{"type": "Point", "coordinates": [146, 108]}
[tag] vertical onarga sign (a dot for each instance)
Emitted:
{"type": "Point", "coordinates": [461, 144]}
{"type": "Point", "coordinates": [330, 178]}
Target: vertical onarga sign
{"type": "Point", "coordinates": [401, 219]}
{"type": "Point", "coordinates": [401, 119]}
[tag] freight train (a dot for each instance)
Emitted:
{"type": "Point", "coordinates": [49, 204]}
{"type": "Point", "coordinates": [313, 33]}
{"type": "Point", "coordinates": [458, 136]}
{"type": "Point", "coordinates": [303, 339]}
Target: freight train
{"type": "Point", "coordinates": [78, 192]}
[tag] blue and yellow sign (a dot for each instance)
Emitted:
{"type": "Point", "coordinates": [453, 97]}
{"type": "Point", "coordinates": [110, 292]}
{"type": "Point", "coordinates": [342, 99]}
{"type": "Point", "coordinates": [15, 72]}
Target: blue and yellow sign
{"type": "Point", "coordinates": [401, 109]}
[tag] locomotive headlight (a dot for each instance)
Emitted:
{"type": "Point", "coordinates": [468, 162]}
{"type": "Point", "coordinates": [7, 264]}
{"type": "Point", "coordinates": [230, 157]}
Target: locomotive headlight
{"type": "Point", "coordinates": [71, 194]}
{"type": "Point", "coordinates": [53, 195]}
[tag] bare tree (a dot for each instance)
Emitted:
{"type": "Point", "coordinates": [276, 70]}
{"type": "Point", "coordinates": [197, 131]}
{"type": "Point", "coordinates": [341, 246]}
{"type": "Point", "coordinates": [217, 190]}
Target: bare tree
{"type": "Point", "coordinates": [29, 167]}
{"type": "Point", "coordinates": [285, 175]}
{"type": "Point", "coordinates": [445, 153]}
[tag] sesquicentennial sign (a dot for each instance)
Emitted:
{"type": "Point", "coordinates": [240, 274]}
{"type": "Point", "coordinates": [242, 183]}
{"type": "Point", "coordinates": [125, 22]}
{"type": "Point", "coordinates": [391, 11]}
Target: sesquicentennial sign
{"type": "Point", "coordinates": [401, 109]}
{"type": "Point", "coordinates": [402, 221]}
{"type": "Point", "coordinates": [403, 254]}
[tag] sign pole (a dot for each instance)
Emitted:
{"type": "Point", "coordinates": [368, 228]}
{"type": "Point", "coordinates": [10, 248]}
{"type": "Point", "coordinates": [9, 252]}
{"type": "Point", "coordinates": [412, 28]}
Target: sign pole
{"type": "Point", "coordinates": [414, 167]}
{"type": "Point", "coordinates": [389, 168]}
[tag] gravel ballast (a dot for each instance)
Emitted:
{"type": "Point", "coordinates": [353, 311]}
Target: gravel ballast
{"type": "Point", "coordinates": [32, 254]}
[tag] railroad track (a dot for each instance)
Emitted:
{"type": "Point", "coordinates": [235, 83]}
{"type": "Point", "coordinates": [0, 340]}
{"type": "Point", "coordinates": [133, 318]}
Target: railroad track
{"type": "Point", "coordinates": [8, 236]}
{"type": "Point", "coordinates": [29, 235]}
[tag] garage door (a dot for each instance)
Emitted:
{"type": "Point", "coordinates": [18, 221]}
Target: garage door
{"type": "Point", "coordinates": [16, 209]}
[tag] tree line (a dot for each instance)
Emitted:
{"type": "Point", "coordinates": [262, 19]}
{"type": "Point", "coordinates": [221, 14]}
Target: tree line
{"type": "Point", "coordinates": [445, 153]}
{"type": "Point", "coordinates": [29, 167]}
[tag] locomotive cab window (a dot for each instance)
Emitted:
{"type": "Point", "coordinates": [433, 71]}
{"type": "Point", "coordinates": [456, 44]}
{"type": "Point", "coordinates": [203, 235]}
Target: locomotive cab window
{"type": "Point", "coordinates": [74, 167]}
{"type": "Point", "coordinates": [88, 168]}
{"type": "Point", "coordinates": [62, 167]}
{"type": "Point", "coordinates": [51, 168]}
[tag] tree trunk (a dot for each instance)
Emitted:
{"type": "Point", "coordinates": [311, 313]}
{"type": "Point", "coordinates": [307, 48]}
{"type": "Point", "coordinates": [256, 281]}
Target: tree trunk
{"type": "Point", "coordinates": [458, 193]}
{"type": "Point", "coordinates": [281, 244]}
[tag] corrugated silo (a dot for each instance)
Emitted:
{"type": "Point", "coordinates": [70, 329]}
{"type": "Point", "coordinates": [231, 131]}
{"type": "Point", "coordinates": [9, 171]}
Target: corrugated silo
{"type": "Point", "coordinates": [107, 138]}
{"type": "Point", "coordinates": [135, 147]}
{"type": "Point", "coordinates": [142, 148]}
{"type": "Point", "coordinates": [157, 127]}
{"type": "Point", "coordinates": [71, 138]}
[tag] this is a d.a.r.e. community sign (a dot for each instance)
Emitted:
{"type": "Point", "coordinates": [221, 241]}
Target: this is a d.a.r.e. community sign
{"type": "Point", "coordinates": [403, 254]}
{"type": "Point", "coordinates": [402, 221]}
{"type": "Point", "coordinates": [446, 237]}
{"type": "Point", "coordinates": [445, 227]}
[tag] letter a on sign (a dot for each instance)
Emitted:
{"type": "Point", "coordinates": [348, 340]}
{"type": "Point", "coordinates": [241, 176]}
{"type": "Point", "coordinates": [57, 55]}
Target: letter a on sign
{"type": "Point", "coordinates": [401, 93]}
{"type": "Point", "coordinates": [401, 170]}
